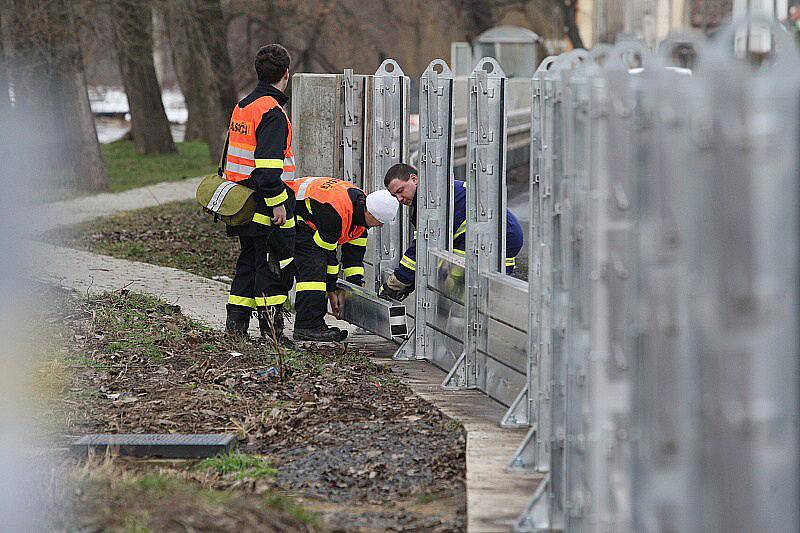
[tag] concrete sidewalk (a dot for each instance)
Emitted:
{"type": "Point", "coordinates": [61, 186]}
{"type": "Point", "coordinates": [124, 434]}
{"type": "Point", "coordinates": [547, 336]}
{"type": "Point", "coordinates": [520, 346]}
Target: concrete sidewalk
{"type": "Point", "coordinates": [68, 212]}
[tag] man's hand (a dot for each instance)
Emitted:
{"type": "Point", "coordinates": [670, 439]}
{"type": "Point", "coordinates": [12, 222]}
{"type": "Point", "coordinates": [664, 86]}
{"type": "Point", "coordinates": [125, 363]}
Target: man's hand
{"type": "Point", "coordinates": [279, 215]}
{"type": "Point", "coordinates": [337, 299]}
{"type": "Point", "coordinates": [394, 289]}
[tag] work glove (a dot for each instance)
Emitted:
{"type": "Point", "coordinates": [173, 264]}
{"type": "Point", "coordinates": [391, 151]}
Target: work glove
{"type": "Point", "coordinates": [394, 289]}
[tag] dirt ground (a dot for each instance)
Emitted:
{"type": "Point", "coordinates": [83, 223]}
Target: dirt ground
{"type": "Point", "coordinates": [336, 432]}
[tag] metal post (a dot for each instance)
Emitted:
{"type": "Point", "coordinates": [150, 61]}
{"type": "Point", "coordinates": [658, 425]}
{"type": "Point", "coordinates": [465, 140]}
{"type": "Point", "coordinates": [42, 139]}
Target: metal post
{"type": "Point", "coordinates": [485, 211]}
{"type": "Point", "coordinates": [524, 410]}
{"type": "Point", "coordinates": [390, 123]}
{"type": "Point", "coordinates": [435, 169]}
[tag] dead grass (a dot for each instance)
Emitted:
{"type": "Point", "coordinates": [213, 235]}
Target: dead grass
{"type": "Point", "coordinates": [338, 430]}
{"type": "Point", "coordinates": [107, 494]}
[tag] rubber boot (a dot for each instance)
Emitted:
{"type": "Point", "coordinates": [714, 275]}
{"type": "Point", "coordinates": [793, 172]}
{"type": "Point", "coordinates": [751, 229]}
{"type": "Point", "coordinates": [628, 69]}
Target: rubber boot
{"type": "Point", "coordinates": [274, 316]}
{"type": "Point", "coordinates": [238, 321]}
{"type": "Point", "coordinates": [320, 334]}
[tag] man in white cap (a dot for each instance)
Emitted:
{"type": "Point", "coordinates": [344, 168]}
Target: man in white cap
{"type": "Point", "coordinates": [331, 213]}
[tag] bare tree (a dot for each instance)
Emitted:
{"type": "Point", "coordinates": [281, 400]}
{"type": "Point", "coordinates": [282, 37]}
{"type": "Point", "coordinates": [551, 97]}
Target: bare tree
{"type": "Point", "coordinates": [197, 34]}
{"type": "Point", "coordinates": [570, 21]}
{"type": "Point", "coordinates": [133, 38]}
{"type": "Point", "coordinates": [50, 88]}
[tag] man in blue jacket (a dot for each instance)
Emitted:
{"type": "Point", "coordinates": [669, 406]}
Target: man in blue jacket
{"type": "Point", "coordinates": [401, 180]}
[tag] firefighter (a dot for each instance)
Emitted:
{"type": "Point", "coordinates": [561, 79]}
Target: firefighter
{"type": "Point", "coordinates": [401, 181]}
{"type": "Point", "coordinates": [258, 155]}
{"type": "Point", "coordinates": [331, 213]}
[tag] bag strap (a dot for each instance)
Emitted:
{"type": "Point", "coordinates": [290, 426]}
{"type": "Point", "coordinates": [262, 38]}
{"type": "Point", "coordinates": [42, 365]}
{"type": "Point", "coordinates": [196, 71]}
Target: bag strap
{"type": "Point", "coordinates": [220, 171]}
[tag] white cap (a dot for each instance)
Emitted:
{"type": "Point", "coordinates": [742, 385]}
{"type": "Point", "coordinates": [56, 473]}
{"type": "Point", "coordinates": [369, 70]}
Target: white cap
{"type": "Point", "coordinates": [382, 205]}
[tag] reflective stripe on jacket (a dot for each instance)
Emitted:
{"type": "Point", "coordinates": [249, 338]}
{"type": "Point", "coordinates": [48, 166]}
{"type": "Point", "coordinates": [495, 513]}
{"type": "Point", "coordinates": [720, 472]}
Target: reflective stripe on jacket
{"type": "Point", "coordinates": [333, 192]}
{"type": "Point", "coordinates": [240, 160]}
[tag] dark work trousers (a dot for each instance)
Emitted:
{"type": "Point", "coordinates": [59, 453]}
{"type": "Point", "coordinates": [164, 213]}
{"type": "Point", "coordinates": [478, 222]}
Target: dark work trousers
{"type": "Point", "coordinates": [311, 299]}
{"type": "Point", "coordinates": [265, 269]}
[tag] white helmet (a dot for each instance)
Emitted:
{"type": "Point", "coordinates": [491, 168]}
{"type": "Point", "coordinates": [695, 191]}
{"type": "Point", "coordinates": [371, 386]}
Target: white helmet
{"type": "Point", "coordinates": [382, 205]}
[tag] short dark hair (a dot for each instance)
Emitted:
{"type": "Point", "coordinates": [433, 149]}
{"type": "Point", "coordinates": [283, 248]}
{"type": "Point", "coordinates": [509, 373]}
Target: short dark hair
{"type": "Point", "coordinates": [272, 61]}
{"type": "Point", "coordinates": [400, 171]}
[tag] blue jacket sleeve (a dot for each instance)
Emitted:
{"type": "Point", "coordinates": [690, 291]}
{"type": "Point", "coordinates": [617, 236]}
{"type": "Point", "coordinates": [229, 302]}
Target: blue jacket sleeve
{"type": "Point", "coordinates": [407, 269]}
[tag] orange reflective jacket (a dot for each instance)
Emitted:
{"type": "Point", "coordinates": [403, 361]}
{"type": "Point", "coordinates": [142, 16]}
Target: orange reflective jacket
{"type": "Point", "coordinates": [333, 192]}
{"type": "Point", "coordinates": [240, 160]}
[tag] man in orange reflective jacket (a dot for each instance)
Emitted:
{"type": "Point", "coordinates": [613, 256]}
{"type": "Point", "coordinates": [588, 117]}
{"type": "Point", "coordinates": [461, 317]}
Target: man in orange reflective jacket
{"type": "Point", "coordinates": [331, 213]}
{"type": "Point", "coordinates": [259, 156]}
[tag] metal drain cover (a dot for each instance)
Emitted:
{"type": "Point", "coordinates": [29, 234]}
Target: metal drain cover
{"type": "Point", "coordinates": [173, 446]}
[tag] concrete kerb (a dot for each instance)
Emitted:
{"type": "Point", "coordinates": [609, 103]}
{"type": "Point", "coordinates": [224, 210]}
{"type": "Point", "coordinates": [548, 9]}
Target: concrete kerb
{"type": "Point", "coordinates": [495, 496]}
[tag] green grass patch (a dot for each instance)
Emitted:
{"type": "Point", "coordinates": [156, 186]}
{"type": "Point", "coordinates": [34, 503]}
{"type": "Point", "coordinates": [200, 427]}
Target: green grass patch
{"type": "Point", "coordinates": [239, 465]}
{"type": "Point", "coordinates": [108, 497]}
{"type": "Point", "coordinates": [427, 497]}
{"type": "Point", "coordinates": [129, 170]}
{"type": "Point", "coordinates": [286, 504]}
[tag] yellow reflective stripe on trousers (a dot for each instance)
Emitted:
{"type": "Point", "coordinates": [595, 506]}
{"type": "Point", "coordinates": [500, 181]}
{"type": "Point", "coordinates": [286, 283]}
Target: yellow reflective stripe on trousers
{"type": "Point", "coordinates": [321, 242]}
{"type": "Point", "coordinates": [285, 262]}
{"type": "Point", "coordinates": [270, 300]}
{"type": "Point", "coordinates": [310, 286]}
{"type": "Point", "coordinates": [361, 241]}
{"type": "Point", "coordinates": [353, 271]}
{"type": "Point", "coordinates": [333, 269]}
{"type": "Point", "coordinates": [278, 199]}
{"type": "Point", "coordinates": [242, 300]}
{"type": "Point", "coordinates": [269, 163]}
{"type": "Point", "coordinates": [408, 263]}
{"type": "Point", "coordinates": [259, 218]}
{"type": "Point", "coordinates": [460, 252]}
{"type": "Point", "coordinates": [511, 261]}
{"type": "Point", "coordinates": [461, 230]}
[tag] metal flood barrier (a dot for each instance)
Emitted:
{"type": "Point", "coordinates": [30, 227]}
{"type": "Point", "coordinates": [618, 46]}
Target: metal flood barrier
{"type": "Point", "coordinates": [664, 293]}
{"type": "Point", "coordinates": [653, 352]}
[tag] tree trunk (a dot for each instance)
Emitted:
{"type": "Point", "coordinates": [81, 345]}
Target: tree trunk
{"type": "Point", "coordinates": [133, 38]}
{"type": "Point", "coordinates": [208, 102]}
{"type": "Point", "coordinates": [5, 99]}
{"type": "Point", "coordinates": [478, 17]}
{"type": "Point", "coordinates": [186, 66]}
{"type": "Point", "coordinates": [569, 12]}
{"type": "Point", "coordinates": [50, 89]}
{"type": "Point", "coordinates": [217, 42]}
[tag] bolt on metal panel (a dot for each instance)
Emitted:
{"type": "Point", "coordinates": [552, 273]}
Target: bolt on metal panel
{"type": "Point", "coordinates": [390, 125]}
{"type": "Point", "coordinates": [434, 196]}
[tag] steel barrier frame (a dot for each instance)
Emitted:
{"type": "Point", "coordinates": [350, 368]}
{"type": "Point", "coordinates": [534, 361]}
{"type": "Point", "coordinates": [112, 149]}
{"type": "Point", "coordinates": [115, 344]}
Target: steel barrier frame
{"type": "Point", "coordinates": [657, 367]}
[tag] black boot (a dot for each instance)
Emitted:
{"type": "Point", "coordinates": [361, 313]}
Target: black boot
{"type": "Point", "coordinates": [238, 321]}
{"type": "Point", "coordinates": [320, 334]}
{"type": "Point", "coordinates": [274, 317]}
